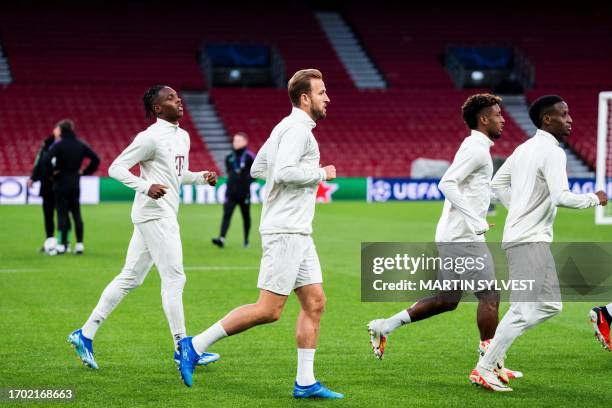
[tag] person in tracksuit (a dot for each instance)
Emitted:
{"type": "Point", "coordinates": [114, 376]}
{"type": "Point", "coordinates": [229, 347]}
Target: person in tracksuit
{"type": "Point", "coordinates": [43, 172]}
{"type": "Point", "coordinates": [66, 157]}
{"type": "Point", "coordinates": [238, 169]}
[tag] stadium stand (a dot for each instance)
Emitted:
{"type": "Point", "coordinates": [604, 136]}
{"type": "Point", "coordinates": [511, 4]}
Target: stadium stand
{"type": "Point", "coordinates": [92, 63]}
{"type": "Point", "coordinates": [106, 117]}
{"type": "Point", "coordinates": [376, 133]}
{"type": "Point", "coordinates": [407, 42]}
{"type": "Point", "coordinates": [411, 38]}
{"type": "Point", "coordinates": [95, 57]}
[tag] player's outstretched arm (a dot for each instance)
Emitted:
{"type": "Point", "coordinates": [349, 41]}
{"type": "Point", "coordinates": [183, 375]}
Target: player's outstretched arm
{"type": "Point", "coordinates": [210, 177]}
{"type": "Point", "coordinates": [141, 149]}
{"type": "Point", "coordinates": [558, 185]}
{"type": "Point", "coordinates": [500, 185]}
{"type": "Point", "coordinates": [287, 169]}
{"type": "Point", "coordinates": [259, 168]}
{"type": "Point", "coordinates": [200, 177]}
{"type": "Point", "coordinates": [465, 163]}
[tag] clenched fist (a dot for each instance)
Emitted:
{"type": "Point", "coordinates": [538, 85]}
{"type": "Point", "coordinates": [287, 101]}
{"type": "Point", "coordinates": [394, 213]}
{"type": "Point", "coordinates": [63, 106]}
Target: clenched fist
{"type": "Point", "coordinates": [330, 172]}
{"type": "Point", "coordinates": [603, 197]}
{"type": "Point", "coordinates": [210, 177]}
{"type": "Point", "coordinates": [157, 191]}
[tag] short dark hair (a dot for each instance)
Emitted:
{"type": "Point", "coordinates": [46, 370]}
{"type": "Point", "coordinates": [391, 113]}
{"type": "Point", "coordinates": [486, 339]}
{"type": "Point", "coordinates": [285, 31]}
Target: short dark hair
{"type": "Point", "coordinates": [300, 84]}
{"type": "Point", "coordinates": [475, 104]}
{"type": "Point", "coordinates": [148, 98]}
{"type": "Point", "coordinates": [66, 125]}
{"type": "Point", "coordinates": [541, 107]}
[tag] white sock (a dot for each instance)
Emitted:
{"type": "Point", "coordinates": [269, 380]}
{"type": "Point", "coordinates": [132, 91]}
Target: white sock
{"type": "Point", "coordinates": [396, 321]}
{"type": "Point", "coordinates": [92, 325]}
{"type": "Point", "coordinates": [609, 308]}
{"type": "Point", "coordinates": [208, 337]}
{"type": "Point", "coordinates": [305, 367]}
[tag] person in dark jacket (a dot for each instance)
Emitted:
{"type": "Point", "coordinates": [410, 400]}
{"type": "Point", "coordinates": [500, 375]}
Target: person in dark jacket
{"type": "Point", "coordinates": [238, 170]}
{"type": "Point", "coordinates": [66, 157]}
{"type": "Point", "coordinates": [43, 172]}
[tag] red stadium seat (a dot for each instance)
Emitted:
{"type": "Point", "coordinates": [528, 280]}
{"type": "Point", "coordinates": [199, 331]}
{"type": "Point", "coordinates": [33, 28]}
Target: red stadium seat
{"type": "Point", "coordinates": [106, 117]}
{"type": "Point", "coordinates": [98, 82]}
{"type": "Point", "coordinates": [366, 132]}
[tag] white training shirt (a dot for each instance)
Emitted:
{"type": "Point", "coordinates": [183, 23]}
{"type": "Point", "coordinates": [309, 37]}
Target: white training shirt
{"type": "Point", "coordinates": [289, 162]}
{"type": "Point", "coordinates": [537, 174]}
{"type": "Point", "coordinates": [466, 186]}
{"type": "Point", "coordinates": [162, 150]}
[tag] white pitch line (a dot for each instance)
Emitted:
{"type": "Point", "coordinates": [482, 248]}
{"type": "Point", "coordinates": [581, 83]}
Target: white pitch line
{"type": "Point", "coordinates": [13, 270]}
{"type": "Point", "coordinates": [187, 268]}
{"type": "Point", "coordinates": [220, 268]}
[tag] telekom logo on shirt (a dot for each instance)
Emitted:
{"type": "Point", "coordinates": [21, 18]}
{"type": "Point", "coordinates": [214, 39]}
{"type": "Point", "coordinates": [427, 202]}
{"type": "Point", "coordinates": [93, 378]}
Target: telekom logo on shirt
{"type": "Point", "coordinates": [179, 164]}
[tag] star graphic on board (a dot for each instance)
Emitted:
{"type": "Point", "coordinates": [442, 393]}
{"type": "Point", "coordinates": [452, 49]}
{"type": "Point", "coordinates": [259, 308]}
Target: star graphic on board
{"type": "Point", "coordinates": [325, 191]}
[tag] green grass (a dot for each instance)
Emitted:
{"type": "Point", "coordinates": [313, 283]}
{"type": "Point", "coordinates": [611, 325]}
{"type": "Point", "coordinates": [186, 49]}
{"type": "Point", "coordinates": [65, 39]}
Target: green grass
{"type": "Point", "coordinates": [42, 299]}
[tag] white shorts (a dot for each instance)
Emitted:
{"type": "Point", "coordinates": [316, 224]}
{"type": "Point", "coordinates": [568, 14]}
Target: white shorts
{"type": "Point", "coordinates": [289, 261]}
{"type": "Point", "coordinates": [471, 262]}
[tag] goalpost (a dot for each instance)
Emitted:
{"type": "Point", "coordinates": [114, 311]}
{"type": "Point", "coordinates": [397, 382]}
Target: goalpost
{"type": "Point", "coordinates": [603, 181]}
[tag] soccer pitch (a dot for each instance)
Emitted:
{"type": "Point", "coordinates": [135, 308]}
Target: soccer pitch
{"type": "Point", "coordinates": [426, 364]}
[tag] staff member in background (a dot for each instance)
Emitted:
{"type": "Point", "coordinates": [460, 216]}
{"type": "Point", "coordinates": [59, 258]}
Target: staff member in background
{"type": "Point", "coordinates": [43, 172]}
{"type": "Point", "coordinates": [238, 169]}
{"type": "Point", "coordinates": [69, 153]}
